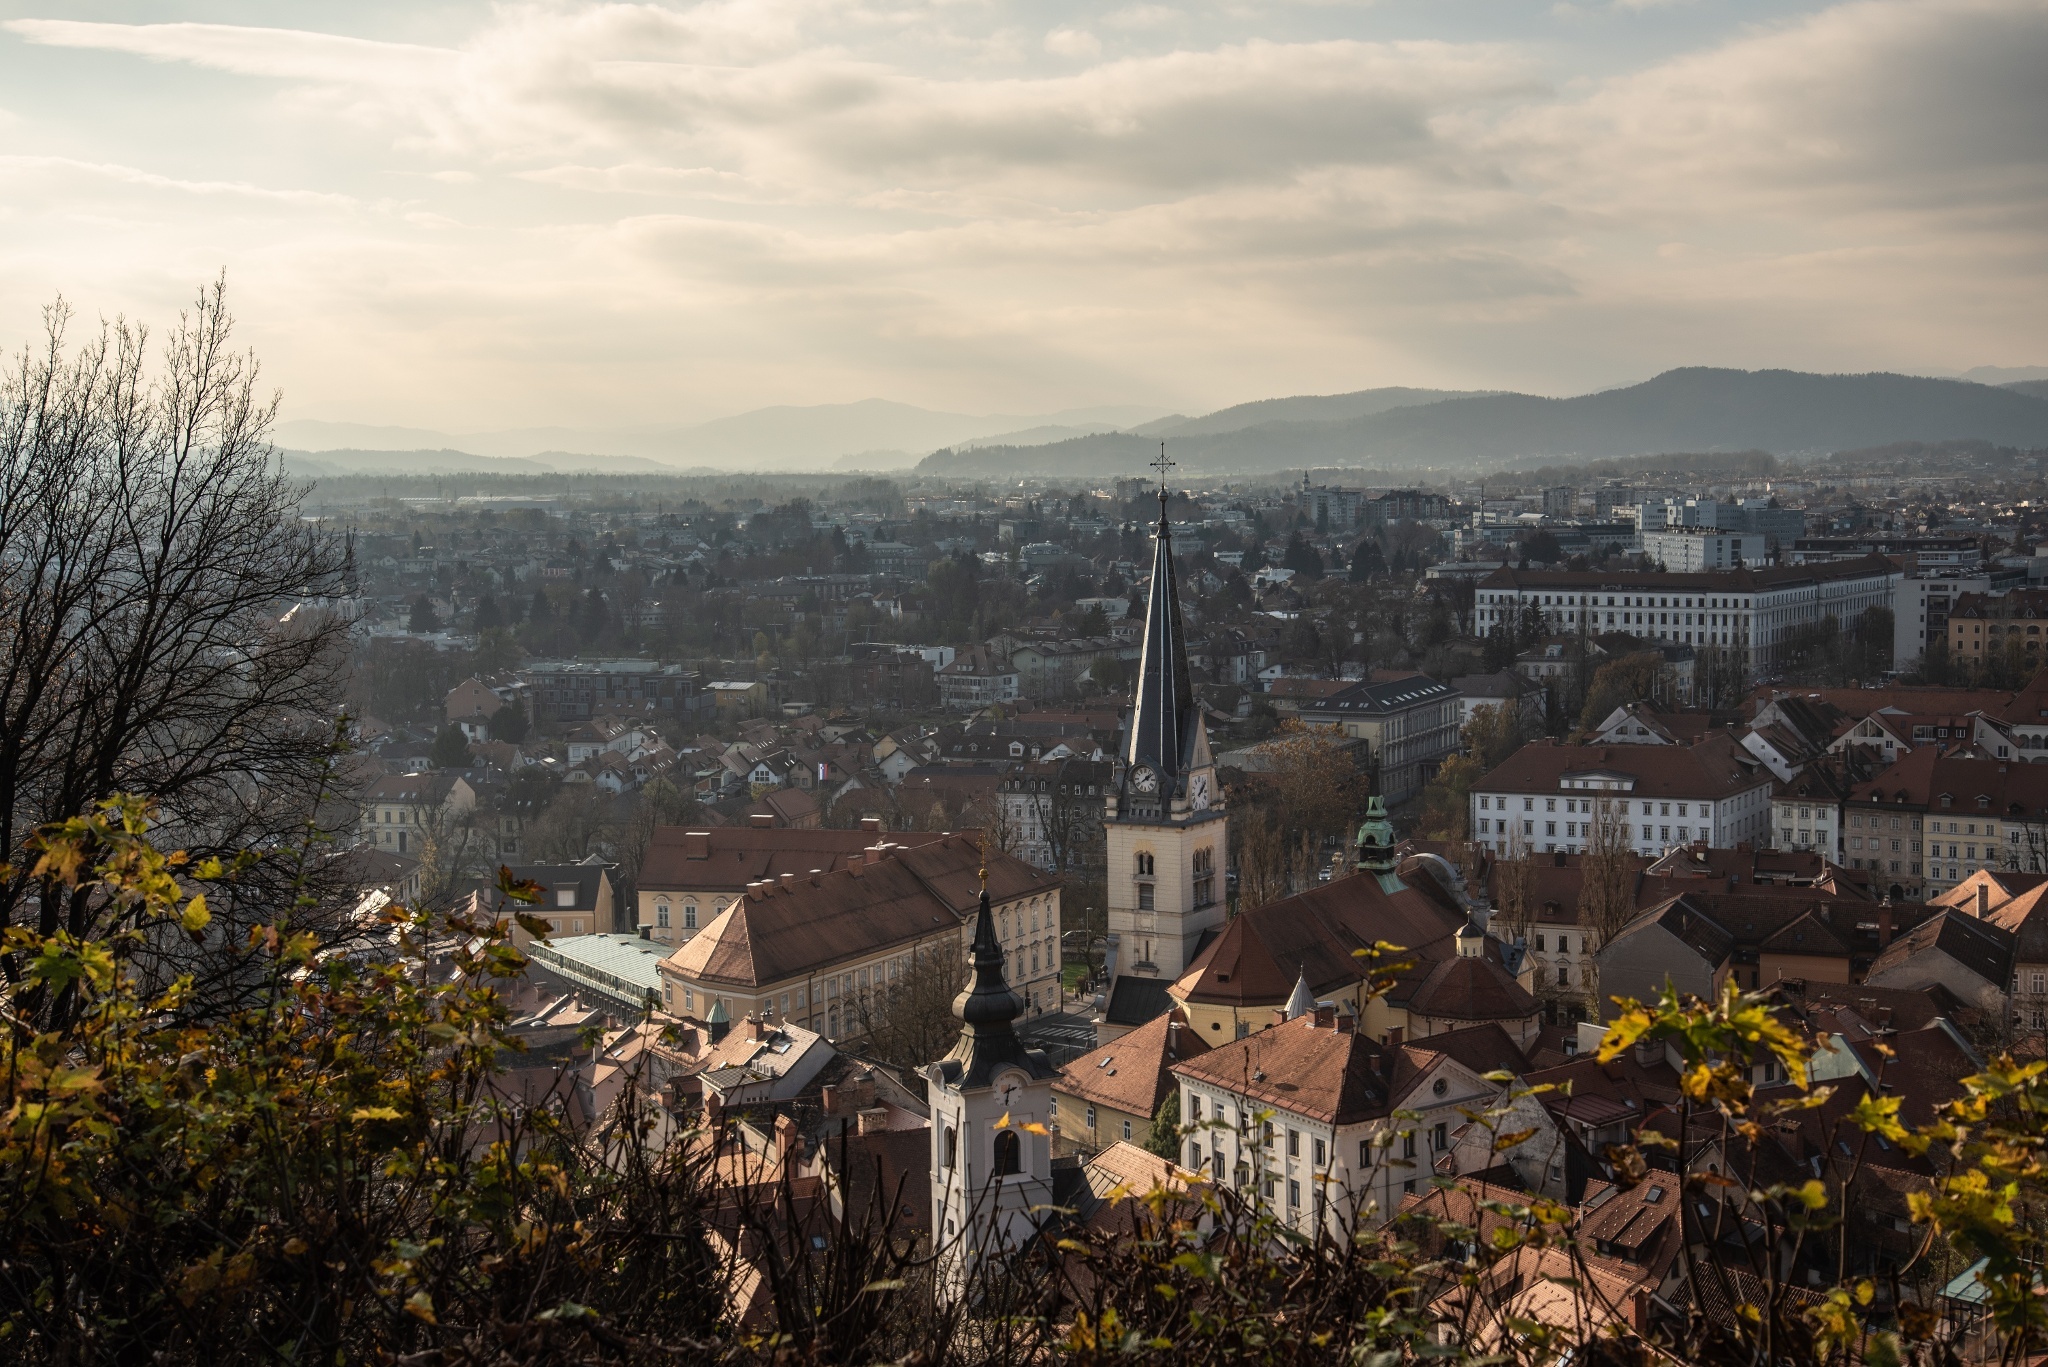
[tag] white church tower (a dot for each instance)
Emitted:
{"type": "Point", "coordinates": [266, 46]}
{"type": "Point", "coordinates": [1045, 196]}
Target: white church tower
{"type": "Point", "coordinates": [991, 1101]}
{"type": "Point", "coordinates": [1164, 821]}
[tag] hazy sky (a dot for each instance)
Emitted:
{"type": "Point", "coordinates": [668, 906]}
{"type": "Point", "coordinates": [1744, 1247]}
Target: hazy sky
{"type": "Point", "coordinates": [469, 215]}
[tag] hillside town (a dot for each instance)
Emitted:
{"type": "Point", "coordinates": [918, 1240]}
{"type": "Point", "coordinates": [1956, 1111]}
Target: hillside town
{"type": "Point", "coordinates": [1282, 833]}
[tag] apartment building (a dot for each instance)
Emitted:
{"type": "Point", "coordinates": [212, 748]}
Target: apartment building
{"type": "Point", "coordinates": [821, 949]}
{"type": "Point", "coordinates": [689, 876]}
{"type": "Point", "coordinates": [1751, 611]}
{"type": "Point", "coordinates": [1936, 817]}
{"type": "Point", "coordinates": [1547, 797]}
{"type": "Point", "coordinates": [1409, 723]}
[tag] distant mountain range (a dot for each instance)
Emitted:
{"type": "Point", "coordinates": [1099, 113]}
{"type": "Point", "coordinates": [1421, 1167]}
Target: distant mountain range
{"type": "Point", "coordinates": [872, 434]}
{"type": "Point", "coordinates": [1694, 409]}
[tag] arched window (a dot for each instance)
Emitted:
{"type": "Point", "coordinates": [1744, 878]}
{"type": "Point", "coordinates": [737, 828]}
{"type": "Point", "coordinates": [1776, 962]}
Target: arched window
{"type": "Point", "coordinates": [1144, 863]}
{"type": "Point", "coordinates": [1009, 1154]}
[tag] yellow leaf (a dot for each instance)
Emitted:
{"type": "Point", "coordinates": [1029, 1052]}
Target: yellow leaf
{"type": "Point", "coordinates": [1004, 1123]}
{"type": "Point", "coordinates": [420, 1304]}
{"type": "Point", "coordinates": [373, 1113]}
{"type": "Point", "coordinates": [196, 915]}
{"type": "Point", "coordinates": [1033, 1127]}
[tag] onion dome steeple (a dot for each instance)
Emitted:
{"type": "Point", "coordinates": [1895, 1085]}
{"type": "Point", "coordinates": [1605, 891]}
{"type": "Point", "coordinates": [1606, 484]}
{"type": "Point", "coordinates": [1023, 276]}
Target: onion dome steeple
{"type": "Point", "coordinates": [988, 1009]}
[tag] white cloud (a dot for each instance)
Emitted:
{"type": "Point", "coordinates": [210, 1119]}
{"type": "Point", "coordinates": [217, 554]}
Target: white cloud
{"type": "Point", "coordinates": [679, 204]}
{"type": "Point", "coordinates": [1073, 42]}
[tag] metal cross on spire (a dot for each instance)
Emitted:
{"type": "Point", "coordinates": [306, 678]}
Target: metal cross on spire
{"type": "Point", "coordinates": [1162, 465]}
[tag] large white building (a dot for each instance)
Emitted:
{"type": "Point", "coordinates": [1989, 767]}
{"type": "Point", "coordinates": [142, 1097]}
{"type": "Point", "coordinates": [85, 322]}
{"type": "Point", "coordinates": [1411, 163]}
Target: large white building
{"type": "Point", "coordinates": [1751, 611]}
{"type": "Point", "coordinates": [1685, 550]}
{"type": "Point", "coordinates": [1547, 797]}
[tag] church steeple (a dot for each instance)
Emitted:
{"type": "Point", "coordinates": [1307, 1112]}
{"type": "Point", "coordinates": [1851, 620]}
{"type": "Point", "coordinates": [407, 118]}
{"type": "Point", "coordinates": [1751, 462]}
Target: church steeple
{"type": "Point", "coordinates": [987, 1009]}
{"type": "Point", "coordinates": [1167, 740]}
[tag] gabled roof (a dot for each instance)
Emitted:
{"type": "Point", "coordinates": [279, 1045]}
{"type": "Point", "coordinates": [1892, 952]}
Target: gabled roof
{"type": "Point", "coordinates": [1260, 953]}
{"type": "Point", "coordinates": [1471, 989]}
{"type": "Point", "coordinates": [1715, 767]}
{"type": "Point", "coordinates": [1979, 946]}
{"type": "Point", "coordinates": [1132, 1073]}
{"type": "Point", "coordinates": [1313, 1071]}
{"type": "Point", "coordinates": [726, 859]}
{"type": "Point", "coordinates": [787, 929]}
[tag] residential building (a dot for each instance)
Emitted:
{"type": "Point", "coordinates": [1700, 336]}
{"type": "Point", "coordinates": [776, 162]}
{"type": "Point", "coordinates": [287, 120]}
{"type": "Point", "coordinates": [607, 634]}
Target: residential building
{"type": "Point", "coordinates": [1967, 813]}
{"type": "Point", "coordinates": [1058, 669]}
{"type": "Point", "coordinates": [1934, 555]}
{"type": "Point", "coordinates": [1691, 549]}
{"type": "Point", "coordinates": [2016, 903]}
{"type": "Point", "coordinates": [1405, 505]}
{"type": "Point", "coordinates": [823, 948]}
{"type": "Point", "coordinates": [403, 812]}
{"type": "Point", "coordinates": [1547, 796]}
{"type": "Point", "coordinates": [1697, 941]}
{"type": "Point", "coordinates": [472, 703]}
{"type": "Point", "coordinates": [1328, 1128]}
{"type": "Point", "coordinates": [1999, 628]}
{"type": "Point", "coordinates": [976, 680]}
{"type": "Point", "coordinates": [1507, 690]}
{"type": "Point", "coordinates": [1921, 604]}
{"type": "Point", "coordinates": [1750, 611]}
{"type": "Point", "coordinates": [1971, 959]}
{"type": "Point", "coordinates": [1410, 724]}
{"type": "Point", "coordinates": [1052, 812]}
{"type": "Point", "coordinates": [738, 699]}
{"type": "Point", "coordinates": [688, 876]}
{"type": "Point", "coordinates": [1110, 1094]}
{"type": "Point", "coordinates": [574, 899]}
{"type": "Point", "coordinates": [565, 691]}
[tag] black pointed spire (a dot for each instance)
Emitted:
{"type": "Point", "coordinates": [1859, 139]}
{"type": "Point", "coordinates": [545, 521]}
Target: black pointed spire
{"type": "Point", "coordinates": [1164, 717]}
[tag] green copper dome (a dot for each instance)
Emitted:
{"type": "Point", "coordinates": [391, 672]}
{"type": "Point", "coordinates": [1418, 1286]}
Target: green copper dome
{"type": "Point", "coordinates": [1376, 838]}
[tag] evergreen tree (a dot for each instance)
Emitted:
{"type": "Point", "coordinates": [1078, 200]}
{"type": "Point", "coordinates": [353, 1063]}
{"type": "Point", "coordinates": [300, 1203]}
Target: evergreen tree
{"type": "Point", "coordinates": [423, 618]}
{"type": "Point", "coordinates": [451, 749]}
{"type": "Point", "coordinates": [541, 609]}
{"type": "Point", "coordinates": [1367, 560]}
{"type": "Point", "coordinates": [508, 723]}
{"type": "Point", "coordinates": [488, 618]}
{"type": "Point", "coordinates": [1164, 1136]}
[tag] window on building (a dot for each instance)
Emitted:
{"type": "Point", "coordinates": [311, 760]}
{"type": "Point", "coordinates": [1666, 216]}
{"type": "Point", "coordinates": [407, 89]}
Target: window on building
{"type": "Point", "coordinates": [1009, 1154]}
{"type": "Point", "coordinates": [952, 1148]}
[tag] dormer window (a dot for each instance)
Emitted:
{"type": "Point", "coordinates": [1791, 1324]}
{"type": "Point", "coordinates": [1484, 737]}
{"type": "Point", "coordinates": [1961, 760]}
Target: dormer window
{"type": "Point", "coordinates": [565, 897]}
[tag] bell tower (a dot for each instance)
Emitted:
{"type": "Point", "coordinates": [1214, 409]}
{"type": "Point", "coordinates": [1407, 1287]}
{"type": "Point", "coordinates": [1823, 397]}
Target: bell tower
{"type": "Point", "coordinates": [991, 1104]}
{"type": "Point", "coordinates": [1164, 819]}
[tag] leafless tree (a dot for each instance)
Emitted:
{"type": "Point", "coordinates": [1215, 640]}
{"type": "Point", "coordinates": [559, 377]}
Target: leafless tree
{"type": "Point", "coordinates": [169, 624]}
{"type": "Point", "coordinates": [910, 1021]}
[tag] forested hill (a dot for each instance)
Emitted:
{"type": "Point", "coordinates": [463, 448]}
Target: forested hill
{"type": "Point", "coordinates": [1694, 409]}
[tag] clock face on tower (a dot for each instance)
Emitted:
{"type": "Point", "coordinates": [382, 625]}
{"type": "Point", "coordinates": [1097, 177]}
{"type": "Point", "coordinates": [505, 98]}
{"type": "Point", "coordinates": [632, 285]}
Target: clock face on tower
{"type": "Point", "coordinates": [1198, 792]}
{"type": "Point", "coordinates": [1144, 780]}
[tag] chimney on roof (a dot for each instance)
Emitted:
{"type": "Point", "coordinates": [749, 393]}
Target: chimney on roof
{"type": "Point", "coordinates": [1884, 924]}
{"type": "Point", "coordinates": [871, 824]}
{"type": "Point", "coordinates": [827, 1095]}
{"type": "Point", "coordinates": [1326, 1016]}
{"type": "Point", "coordinates": [873, 1120]}
{"type": "Point", "coordinates": [761, 821]}
{"type": "Point", "coordinates": [757, 1029]}
{"type": "Point", "coordinates": [872, 854]}
{"type": "Point", "coordinates": [1346, 1022]}
{"type": "Point", "coordinates": [789, 881]}
{"type": "Point", "coordinates": [1983, 899]}
{"type": "Point", "coordinates": [785, 1134]}
{"type": "Point", "coordinates": [1394, 1037]}
{"type": "Point", "coordinates": [1557, 858]}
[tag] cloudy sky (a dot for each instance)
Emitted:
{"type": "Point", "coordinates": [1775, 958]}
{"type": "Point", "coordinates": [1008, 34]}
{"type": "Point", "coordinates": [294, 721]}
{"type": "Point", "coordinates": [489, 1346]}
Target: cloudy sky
{"type": "Point", "coordinates": [472, 216]}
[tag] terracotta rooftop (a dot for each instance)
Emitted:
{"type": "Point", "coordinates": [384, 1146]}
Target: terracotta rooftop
{"type": "Point", "coordinates": [1331, 1075]}
{"type": "Point", "coordinates": [893, 897]}
{"type": "Point", "coordinates": [1132, 1073]}
{"type": "Point", "coordinates": [727, 859]}
{"type": "Point", "coordinates": [1713, 768]}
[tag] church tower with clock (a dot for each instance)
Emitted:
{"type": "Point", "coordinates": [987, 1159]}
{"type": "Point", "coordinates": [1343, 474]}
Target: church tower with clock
{"type": "Point", "coordinates": [1164, 816]}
